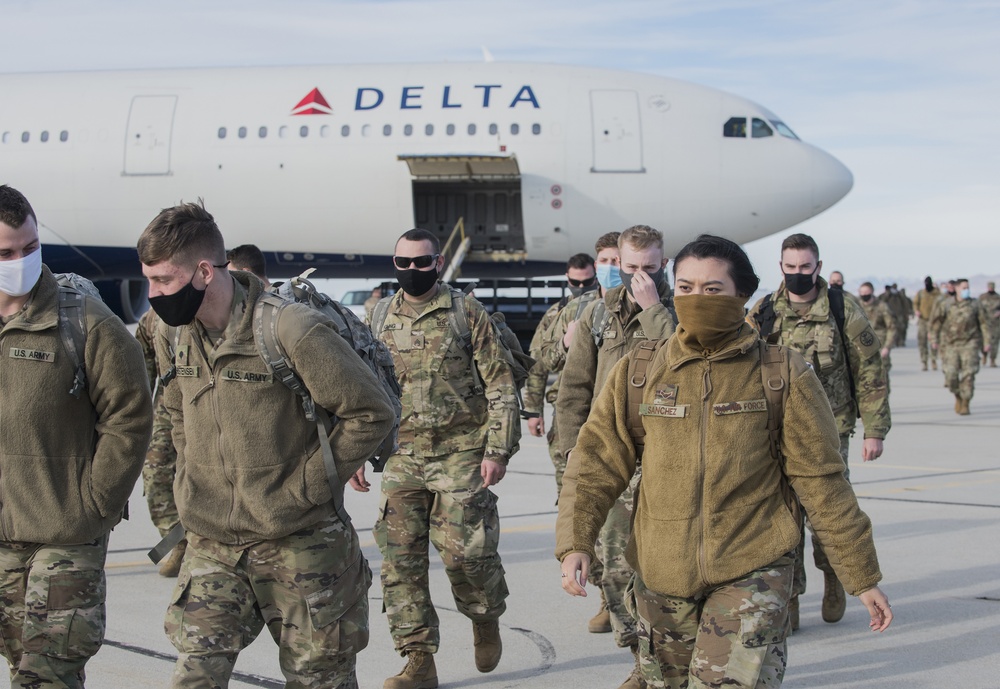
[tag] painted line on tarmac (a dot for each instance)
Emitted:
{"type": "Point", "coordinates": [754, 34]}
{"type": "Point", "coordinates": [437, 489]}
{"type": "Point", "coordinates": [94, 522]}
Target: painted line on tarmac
{"type": "Point", "coordinates": [928, 502]}
{"type": "Point", "coordinates": [253, 680]}
{"type": "Point", "coordinates": [941, 472]}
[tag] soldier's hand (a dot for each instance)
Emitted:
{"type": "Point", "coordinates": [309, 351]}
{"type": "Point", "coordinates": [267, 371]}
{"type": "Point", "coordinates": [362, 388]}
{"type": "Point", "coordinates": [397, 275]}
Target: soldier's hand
{"type": "Point", "coordinates": [358, 482]}
{"type": "Point", "coordinates": [536, 426]}
{"type": "Point", "coordinates": [575, 568]}
{"type": "Point", "coordinates": [644, 290]}
{"type": "Point", "coordinates": [871, 449]}
{"type": "Point", "coordinates": [568, 337]}
{"type": "Point", "coordinates": [492, 472]}
{"type": "Point", "coordinates": [885, 352]}
{"type": "Point", "coordinates": [878, 607]}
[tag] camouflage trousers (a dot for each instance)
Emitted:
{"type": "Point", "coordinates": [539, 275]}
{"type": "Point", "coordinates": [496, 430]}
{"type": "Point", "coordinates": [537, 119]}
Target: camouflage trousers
{"type": "Point", "coordinates": [158, 474]}
{"type": "Point", "coordinates": [617, 572]}
{"type": "Point", "coordinates": [994, 342]}
{"type": "Point", "coordinates": [819, 557]}
{"type": "Point", "coordinates": [310, 588]}
{"type": "Point", "coordinates": [730, 636]}
{"type": "Point", "coordinates": [887, 366]}
{"type": "Point", "coordinates": [439, 500]}
{"type": "Point", "coordinates": [961, 364]}
{"type": "Point", "coordinates": [52, 614]}
{"type": "Point", "coordinates": [557, 456]}
{"type": "Point", "coordinates": [927, 353]}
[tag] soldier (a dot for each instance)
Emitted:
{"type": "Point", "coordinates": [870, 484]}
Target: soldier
{"type": "Point", "coordinates": [712, 535]}
{"type": "Point", "coordinates": [459, 428]}
{"type": "Point", "coordinates": [897, 304]}
{"type": "Point", "coordinates": [991, 302]}
{"type": "Point", "coordinates": [882, 322]}
{"type": "Point", "coordinates": [249, 258]}
{"type": "Point", "coordinates": [582, 278]}
{"type": "Point", "coordinates": [946, 297]}
{"type": "Point", "coordinates": [837, 339]}
{"type": "Point", "coordinates": [908, 314]}
{"type": "Point", "coordinates": [259, 482]}
{"type": "Point", "coordinates": [76, 422]}
{"type": "Point", "coordinates": [923, 305]}
{"type": "Point", "coordinates": [836, 280]}
{"type": "Point", "coordinates": [640, 309]}
{"type": "Point", "coordinates": [963, 326]}
{"type": "Point", "coordinates": [552, 355]}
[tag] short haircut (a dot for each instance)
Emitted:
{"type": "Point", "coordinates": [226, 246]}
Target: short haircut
{"type": "Point", "coordinates": [580, 262]}
{"type": "Point", "coordinates": [836, 272]}
{"type": "Point", "coordinates": [419, 235]}
{"type": "Point", "coordinates": [641, 237]}
{"type": "Point", "coordinates": [960, 280]}
{"type": "Point", "coordinates": [14, 208]}
{"type": "Point", "coordinates": [608, 240]}
{"type": "Point", "coordinates": [183, 235]}
{"type": "Point", "coordinates": [711, 246]}
{"type": "Point", "coordinates": [868, 285]}
{"type": "Point", "coordinates": [800, 241]}
{"type": "Point", "coordinates": [248, 257]}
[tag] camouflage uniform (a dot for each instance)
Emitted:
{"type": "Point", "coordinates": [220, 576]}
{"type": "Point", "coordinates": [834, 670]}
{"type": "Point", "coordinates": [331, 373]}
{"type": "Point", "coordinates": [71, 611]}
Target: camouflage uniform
{"type": "Point", "coordinates": [899, 307]}
{"type": "Point", "coordinates": [962, 327]}
{"type": "Point", "coordinates": [942, 303]}
{"type": "Point", "coordinates": [884, 326]}
{"type": "Point", "coordinates": [587, 366]}
{"type": "Point", "coordinates": [730, 636]}
{"type": "Point", "coordinates": [161, 457]}
{"type": "Point", "coordinates": [432, 489]}
{"type": "Point", "coordinates": [816, 337]}
{"type": "Point", "coordinates": [923, 303]}
{"type": "Point", "coordinates": [991, 303]}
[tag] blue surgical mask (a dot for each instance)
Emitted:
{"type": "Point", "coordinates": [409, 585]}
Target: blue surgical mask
{"type": "Point", "coordinates": [966, 293]}
{"type": "Point", "coordinates": [607, 275]}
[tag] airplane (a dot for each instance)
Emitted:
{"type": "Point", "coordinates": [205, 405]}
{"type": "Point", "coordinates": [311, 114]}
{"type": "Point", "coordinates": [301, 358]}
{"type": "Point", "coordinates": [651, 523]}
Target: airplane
{"type": "Point", "coordinates": [323, 167]}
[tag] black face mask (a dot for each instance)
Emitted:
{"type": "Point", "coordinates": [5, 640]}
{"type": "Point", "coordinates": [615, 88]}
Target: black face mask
{"type": "Point", "coordinates": [656, 277]}
{"type": "Point", "coordinates": [800, 283]}
{"type": "Point", "coordinates": [836, 285]}
{"type": "Point", "coordinates": [415, 282]}
{"type": "Point", "coordinates": [866, 297]}
{"type": "Point", "coordinates": [577, 291]}
{"type": "Point", "coordinates": [180, 307]}
{"type": "Point", "coordinates": [929, 285]}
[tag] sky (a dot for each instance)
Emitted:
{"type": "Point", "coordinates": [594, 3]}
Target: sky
{"type": "Point", "coordinates": [906, 93]}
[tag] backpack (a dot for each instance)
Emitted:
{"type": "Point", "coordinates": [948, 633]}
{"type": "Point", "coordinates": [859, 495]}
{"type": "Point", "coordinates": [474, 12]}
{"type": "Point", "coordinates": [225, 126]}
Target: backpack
{"type": "Point", "coordinates": [73, 323]}
{"type": "Point", "coordinates": [519, 362]}
{"type": "Point", "coordinates": [775, 373]}
{"type": "Point", "coordinates": [766, 317]}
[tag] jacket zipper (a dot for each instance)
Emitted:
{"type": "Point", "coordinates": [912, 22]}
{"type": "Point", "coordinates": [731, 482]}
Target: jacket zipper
{"type": "Point", "coordinates": [218, 427]}
{"type": "Point", "coordinates": [706, 386]}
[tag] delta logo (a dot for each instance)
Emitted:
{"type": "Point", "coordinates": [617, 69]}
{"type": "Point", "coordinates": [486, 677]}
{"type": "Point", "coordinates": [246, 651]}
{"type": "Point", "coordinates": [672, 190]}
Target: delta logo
{"type": "Point", "coordinates": [313, 104]}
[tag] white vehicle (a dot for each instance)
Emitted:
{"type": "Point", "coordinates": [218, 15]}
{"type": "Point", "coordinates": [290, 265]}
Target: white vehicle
{"type": "Point", "coordinates": [325, 166]}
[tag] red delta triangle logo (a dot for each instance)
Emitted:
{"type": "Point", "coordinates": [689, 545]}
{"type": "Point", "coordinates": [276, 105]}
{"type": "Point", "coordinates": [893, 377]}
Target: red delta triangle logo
{"type": "Point", "coordinates": [313, 104]}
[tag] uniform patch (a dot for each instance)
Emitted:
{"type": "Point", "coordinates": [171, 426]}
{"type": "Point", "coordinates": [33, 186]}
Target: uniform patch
{"type": "Point", "coordinates": [182, 354]}
{"type": "Point", "coordinates": [739, 407]}
{"type": "Point", "coordinates": [663, 410]}
{"type": "Point", "coordinates": [245, 376]}
{"type": "Point", "coordinates": [32, 355]}
{"type": "Point", "coordinates": [392, 326]}
{"type": "Point", "coordinates": [867, 338]}
{"type": "Point", "coordinates": [188, 371]}
{"type": "Point", "coordinates": [639, 334]}
{"type": "Point", "coordinates": [610, 334]}
{"type": "Point", "coordinates": [667, 395]}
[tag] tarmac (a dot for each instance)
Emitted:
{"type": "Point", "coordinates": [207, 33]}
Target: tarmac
{"type": "Point", "coordinates": [933, 498]}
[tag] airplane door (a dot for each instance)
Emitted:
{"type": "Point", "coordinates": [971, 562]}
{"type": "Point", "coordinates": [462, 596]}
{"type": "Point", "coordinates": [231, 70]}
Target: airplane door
{"type": "Point", "coordinates": [147, 138]}
{"type": "Point", "coordinates": [617, 131]}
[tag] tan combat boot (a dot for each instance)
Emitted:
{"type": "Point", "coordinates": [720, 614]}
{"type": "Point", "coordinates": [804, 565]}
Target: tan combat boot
{"type": "Point", "coordinates": [634, 680]}
{"type": "Point", "coordinates": [793, 613]}
{"type": "Point", "coordinates": [171, 566]}
{"type": "Point", "coordinates": [964, 411]}
{"type": "Point", "coordinates": [601, 622]}
{"type": "Point", "coordinates": [834, 598]}
{"type": "Point", "coordinates": [958, 404]}
{"type": "Point", "coordinates": [925, 367]}
{"type": "Point", "coordinates": [419, 673]}
{"type": "Point", "coordinates": [489, 647]}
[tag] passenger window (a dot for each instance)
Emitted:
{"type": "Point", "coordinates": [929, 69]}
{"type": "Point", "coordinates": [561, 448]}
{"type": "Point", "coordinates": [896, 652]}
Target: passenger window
{"type": "Point", "coordinates": [515, 129]}
{"type": "Point", "coordinates": [450, 130]}
{"type": "Point", "coordinates": [387, 130]}
{"type": "Point", "coordinates": [6, 137]}
{"type": "Point", "coordinates": [429, 130]}
{"type": "Point", "coordinates": [408, 130]}
{"type": "Point", "coordinates": [63, 136]}
{"type": "Point", "coordinates": [222, 132]}
{"type": "Point", "coordinates": [759, 129]}
{"type": "Point", "coordinates": [493, 130]}
{"type": "Point", "coordinates": [25, 136]}
{"type": "Point", "coordinates": [303, 131]}
{"type": "Point", "coordinates": [45, 137]}
{"type": "Point", "coordinates": [345, 131]}
{"type": "Point", "coordinates": [262, 132]}
{"type": "Point", "coordinates": [536, 129]}
{"type": "Point", "coordinates": [242, 132]}
{"type": "Point", "coordinates": [736, 127]}
{"type": "Point", "coordinates": [324, 131]}
{"type": "Point", "coordinates": [366, 130]}
{"type": "Point", "coordinates": [472, 130]}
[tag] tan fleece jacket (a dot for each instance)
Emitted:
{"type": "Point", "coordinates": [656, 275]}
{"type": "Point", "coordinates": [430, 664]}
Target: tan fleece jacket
{"type": "Point", "coordinates": [67, 465]}
{"type": "Point", "coordinates": [249, 465]}
{"type": "Point", "coordinates": [710, 507]}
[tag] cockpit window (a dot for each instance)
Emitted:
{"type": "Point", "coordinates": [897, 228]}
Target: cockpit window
{"type": "Point", "coordinates": [783, 129]}
{"type": "Point", "coordinates": [759, 129]}
{"type": "Point", "coordinates": [735, 127]}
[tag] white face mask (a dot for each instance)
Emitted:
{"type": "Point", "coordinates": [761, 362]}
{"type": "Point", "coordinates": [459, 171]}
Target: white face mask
{"type": "Point", "coordinates": [19, 276]}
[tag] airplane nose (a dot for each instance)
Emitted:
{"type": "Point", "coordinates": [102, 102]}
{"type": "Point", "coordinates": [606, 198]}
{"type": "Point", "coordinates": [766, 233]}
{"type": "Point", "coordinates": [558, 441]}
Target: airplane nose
{"type": "Point", "coordinates": [831, 180]}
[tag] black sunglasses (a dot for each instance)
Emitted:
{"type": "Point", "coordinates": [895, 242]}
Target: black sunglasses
{"type": "Point", "coordinates": [582, 283]}
{"type": "Point", "coordinates": [403, 262]}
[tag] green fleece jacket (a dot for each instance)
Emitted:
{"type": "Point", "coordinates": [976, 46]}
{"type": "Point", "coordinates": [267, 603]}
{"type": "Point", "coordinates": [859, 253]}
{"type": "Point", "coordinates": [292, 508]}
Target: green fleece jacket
{"type": "Point", "coordinates": [709, 506]}
{"type": "Point", "coordinates": [249, 463]}
{"type": "Point", "coordinates": [68, 465]}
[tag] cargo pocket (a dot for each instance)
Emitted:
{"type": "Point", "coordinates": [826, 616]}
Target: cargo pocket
{"type": "Point", "coordinates": [173, 623]}
{"type": "Point", "coordinates": [339, 614]}
{"type": "Point", "coordinates": [759, 631]}
{"type": "Point", "coordinates": [482, 525]}
{"type": "Point", "coordinates": [71, 625]}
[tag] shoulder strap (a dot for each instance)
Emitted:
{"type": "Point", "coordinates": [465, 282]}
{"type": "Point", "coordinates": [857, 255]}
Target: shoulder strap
{"type": "Point", "coordinates": [583, 301]}
{"type": "Point", "coordinates": [265, 333]}
{"type": "Point", "coordinates": [73, 331]}
{"type": "Point", "coordinates": [458, 317]}
{"type": "Point", "coordinates": [600, 320]}
{"type": "Point", "coordinates": [638, 368]}
{"type": "Point", "coordinates": [836, 297]}
{"type": "Point", "coordinates": [765, 316]}
{"type": "Point", "coordinates": [379, 313]}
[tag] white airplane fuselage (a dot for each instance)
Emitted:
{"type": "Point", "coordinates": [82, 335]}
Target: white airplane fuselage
{"type": "Point", "coordinates": [305, 161]}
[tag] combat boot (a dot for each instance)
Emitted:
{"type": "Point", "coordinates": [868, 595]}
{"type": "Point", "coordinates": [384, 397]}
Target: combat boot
{"type": "Point", "coordinates": [834, 598]}
{"type": "Point", "coordinates": [925, 367]}
{"type": "Point", "coordinates": [171, 567]}
{"type": "Point", "coordinates": [489, 647]}
{"type": "Point", "coordinates": [419, 673]}
{"type": "Point", "coordinates": [934, 364]}
{"type": "Point", "coordinates": [958, 404]}
{"type": "Point", "coordinates": [964, 410]}
{"type": "Point", "coordinates": [793, 613]}
{"type": "Point", "coordinates": [601, 622]}
{"type": "Point", "coordinates": [634, 680]}
{"type": "Point", "coordinates": [993, 363]}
